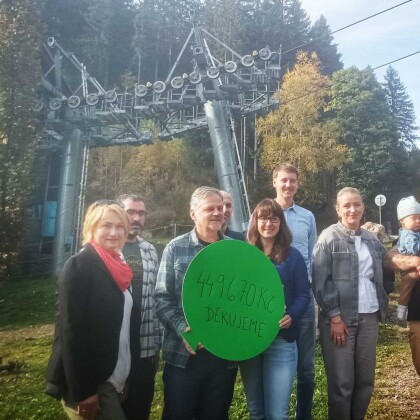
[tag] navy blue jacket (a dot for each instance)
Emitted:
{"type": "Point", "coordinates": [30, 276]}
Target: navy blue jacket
{"type": "Point", "coordinates": [294, 276]}
{"type": "Point", "coordinates": [234, 235]}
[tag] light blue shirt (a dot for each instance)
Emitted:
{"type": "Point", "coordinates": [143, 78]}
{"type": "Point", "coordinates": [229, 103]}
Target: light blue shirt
{"type": "Point", "coordinates": [368, 298]}
{"type": "Point", "coordinates": [302, 224]}
{"type": "Point", "coordinates": [409, 242]}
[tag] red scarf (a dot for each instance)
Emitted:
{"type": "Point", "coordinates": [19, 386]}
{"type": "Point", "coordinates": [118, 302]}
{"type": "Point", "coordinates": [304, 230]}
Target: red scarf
{"type": "Point", "coordinates": [120, 271]}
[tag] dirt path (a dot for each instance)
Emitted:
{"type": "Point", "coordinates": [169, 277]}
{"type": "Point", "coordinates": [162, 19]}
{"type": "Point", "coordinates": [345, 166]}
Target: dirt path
{"type": "Point", "coordinates": [397, 387]}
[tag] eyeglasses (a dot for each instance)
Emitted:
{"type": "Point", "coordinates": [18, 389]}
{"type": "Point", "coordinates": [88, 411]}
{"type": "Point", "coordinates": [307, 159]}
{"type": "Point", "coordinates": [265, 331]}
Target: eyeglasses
{"type": "Point", "coordinates": [274, 220]}
{"type": "Point", "coordinates": [132, 212]}
{"type": "Point", "coordinates": [107, 203]}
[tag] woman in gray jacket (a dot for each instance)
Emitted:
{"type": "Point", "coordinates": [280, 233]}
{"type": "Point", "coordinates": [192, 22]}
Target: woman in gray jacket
{"type": "Point", "coordinates": [347, 280]}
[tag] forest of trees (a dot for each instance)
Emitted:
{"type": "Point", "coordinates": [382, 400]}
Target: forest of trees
{"type": "Point", "coordinates": [339, 126]}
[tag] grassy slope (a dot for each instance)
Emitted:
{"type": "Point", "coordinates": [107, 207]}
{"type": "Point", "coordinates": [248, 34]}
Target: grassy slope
{"type": "Point", "coordinates": [26, 302]}
{"type": "Point", "coordinates": [27, 305]}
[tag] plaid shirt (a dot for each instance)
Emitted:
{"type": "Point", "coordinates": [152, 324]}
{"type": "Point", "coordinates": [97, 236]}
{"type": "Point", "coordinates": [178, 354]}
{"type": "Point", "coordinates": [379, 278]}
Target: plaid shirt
{"type": "Point", "coordinates": [175, 260]}
{"type": "Point", "coordinates": [151, 331]}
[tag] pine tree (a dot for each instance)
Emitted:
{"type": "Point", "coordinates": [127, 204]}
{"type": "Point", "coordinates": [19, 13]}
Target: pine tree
{"type": "Point", "coordinates": [367, 129]}
{"type": "Point", "coordinates": [221, 19]}
{"type": "Point", "coordinates": [322, 44]}
{"type": "Point", "coordinates": [401, 107]}
{"type": "Point", "coordinates": [296, 31]}
{"type": "Point", "coordinates": [98, 32]}
{"type": "Point", "coordinates": [276, 23]}
{"type": "Point", "coordinates": [161, 28]}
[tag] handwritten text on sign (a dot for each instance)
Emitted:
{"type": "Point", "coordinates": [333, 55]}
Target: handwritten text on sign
{"type": "Point", "coordinates": [232, 300]}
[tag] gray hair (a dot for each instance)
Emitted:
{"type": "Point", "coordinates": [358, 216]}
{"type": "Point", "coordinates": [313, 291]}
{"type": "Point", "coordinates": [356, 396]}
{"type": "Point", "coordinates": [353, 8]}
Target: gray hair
{"type": "Point", "coordinates": [202, 192]}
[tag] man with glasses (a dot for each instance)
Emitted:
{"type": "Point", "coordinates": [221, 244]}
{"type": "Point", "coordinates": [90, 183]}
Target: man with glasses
{"type": "Point", "coordinates": [141, 256]}
{"type": "Point", "coordinates": [301, 223]}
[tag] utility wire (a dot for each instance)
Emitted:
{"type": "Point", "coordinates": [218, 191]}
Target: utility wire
{"type": "Point", "coordinates": [347, 26]}
{"type": "Point", "coordinates": [397, 59]}
{"type": "Point", "coordinates": [374, 68]}
{"type": "Point", "coordinates": [310, 42]}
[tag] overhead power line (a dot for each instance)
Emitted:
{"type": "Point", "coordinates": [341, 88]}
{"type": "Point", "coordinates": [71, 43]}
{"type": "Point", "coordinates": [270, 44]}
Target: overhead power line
{"type": "Point", "coordinates": [347, 26]}
{"type": "Point", "coordinates": [397, 59]}
{"type": "Point", "coordinates": [374, 68]}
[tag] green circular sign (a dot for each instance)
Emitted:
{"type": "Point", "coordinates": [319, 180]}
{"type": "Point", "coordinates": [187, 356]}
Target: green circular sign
{"type": "Point", "coordinates": [233, 300]}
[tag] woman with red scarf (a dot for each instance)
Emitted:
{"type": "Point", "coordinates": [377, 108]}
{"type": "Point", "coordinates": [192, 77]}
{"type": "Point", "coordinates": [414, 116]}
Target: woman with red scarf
{"type": "Point", "coordinates": [96, 331]}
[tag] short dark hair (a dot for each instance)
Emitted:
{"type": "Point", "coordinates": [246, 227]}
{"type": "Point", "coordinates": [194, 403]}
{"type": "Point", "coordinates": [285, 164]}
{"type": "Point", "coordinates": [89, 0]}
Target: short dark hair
{"type": "Point", "coordinates": [130, 196]}
{"type": "Point", "coordinates": [287, 167]}
{"type": "Point", "coordinates": [267, 208]}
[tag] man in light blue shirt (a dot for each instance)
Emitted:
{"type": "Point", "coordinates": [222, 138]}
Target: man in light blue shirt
{"type": "Point", "coordinates": [301, 223]}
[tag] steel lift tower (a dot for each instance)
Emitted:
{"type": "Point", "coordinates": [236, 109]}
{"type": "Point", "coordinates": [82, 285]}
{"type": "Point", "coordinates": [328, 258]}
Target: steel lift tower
{"type": "Point", "coordinates": [212, 95]}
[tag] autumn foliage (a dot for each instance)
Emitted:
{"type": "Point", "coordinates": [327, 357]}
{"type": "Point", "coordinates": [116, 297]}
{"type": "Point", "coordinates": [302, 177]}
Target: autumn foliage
{"type": "Point", "coordinates": [299, 132]}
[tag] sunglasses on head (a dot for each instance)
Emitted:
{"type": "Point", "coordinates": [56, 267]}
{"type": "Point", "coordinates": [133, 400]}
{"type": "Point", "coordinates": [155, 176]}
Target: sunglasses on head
{"type": "Point", "coordinates": [107, 203]}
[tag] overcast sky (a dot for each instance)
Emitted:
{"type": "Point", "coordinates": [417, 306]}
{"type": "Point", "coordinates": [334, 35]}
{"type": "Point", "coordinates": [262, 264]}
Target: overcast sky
{"type": "Point", "coordinates": [378, 40]}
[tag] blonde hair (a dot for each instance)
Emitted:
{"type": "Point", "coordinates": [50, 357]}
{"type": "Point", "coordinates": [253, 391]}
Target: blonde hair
{"type": "Point", "coordinates": [95, 213]}
{"type": "Point", "coordinates": [350, 190]}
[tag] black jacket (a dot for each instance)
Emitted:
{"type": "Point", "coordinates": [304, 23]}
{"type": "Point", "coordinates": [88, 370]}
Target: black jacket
{"type": "Point", "coordinates": [90, 308]}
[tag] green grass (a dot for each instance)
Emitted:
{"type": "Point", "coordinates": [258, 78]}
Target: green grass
{"type": "Point", "coordinates": [21, 391]}
{"type": "Point", "coordinates": [30, 303]}
{"type": "Point", "coordinates": [25, 303]}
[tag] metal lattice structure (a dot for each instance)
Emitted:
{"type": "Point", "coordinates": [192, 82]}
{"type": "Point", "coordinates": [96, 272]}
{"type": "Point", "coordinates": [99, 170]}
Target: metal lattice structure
{"type": "Point", "coordinates": [214, 95]}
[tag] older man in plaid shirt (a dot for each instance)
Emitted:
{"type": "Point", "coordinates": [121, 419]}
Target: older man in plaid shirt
{"type": "Point", "coordinates": [142, 258]}
{"type": "Point", "coordinates": [197, 384]}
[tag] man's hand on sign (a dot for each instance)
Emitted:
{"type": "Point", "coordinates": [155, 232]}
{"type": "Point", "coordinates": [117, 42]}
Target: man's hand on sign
{"type": "Point", "coordinates": [189, 349]}
{"type": "Point", "coordinates": [286, 322]}
{"type": "Point", "coordinates": [186, 345]}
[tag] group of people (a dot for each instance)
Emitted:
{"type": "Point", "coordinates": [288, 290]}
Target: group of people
{"type": "Point", "coordinates": [117, 308]}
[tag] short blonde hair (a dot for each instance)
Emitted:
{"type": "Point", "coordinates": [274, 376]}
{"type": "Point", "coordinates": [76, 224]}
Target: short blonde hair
{"type": "Point", "coordinates": [95, 213]}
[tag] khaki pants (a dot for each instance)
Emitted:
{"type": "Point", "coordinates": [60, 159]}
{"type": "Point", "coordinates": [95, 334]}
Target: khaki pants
{"type": "Point", "coordinates": [414, 339]}
{"type": "Point", "coordinates": [109, 403]}
{"type": "Point", "coordinates": [71, 412]}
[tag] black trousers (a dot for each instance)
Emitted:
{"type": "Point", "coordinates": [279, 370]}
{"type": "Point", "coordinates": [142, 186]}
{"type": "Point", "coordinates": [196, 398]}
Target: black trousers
{"type": "Point", "coordinates": [201, 391]}
{"type": "Point", "coordinates": [141, 389]}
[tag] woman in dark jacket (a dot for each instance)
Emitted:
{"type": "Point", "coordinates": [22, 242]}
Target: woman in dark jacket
{"type": "Point", "coordinates": [95, 341]}
{"type": "Point", "coordinates": [268, 378]}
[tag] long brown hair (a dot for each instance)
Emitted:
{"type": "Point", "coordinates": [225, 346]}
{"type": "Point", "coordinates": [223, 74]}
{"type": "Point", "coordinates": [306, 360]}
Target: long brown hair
{"type": "Point", "coordinates": [283, 239]}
